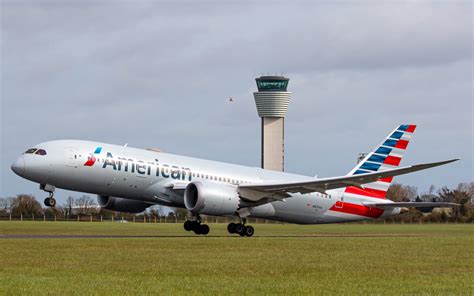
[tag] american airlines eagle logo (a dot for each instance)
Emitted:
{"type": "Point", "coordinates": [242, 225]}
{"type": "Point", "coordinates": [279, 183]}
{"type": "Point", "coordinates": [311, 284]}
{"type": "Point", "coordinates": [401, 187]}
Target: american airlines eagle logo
{"type": "Point", "coordinates": [91, 159]}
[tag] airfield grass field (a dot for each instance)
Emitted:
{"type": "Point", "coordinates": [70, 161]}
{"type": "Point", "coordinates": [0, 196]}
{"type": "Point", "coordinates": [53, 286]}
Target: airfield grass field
{"type": "Point", "coordinates": [138, 258]}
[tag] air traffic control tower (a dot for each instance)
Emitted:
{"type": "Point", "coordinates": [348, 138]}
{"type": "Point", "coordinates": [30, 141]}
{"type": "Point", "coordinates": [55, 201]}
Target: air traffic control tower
{"type": "Point", "coordinates": [272, 101]}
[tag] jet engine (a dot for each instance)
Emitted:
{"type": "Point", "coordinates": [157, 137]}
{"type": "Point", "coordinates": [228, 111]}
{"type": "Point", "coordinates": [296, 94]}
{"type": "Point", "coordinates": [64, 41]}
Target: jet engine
{"type": "Point", "coordinates": [211, 198]}
{"type": "Point", "coordinates": [119, 204]}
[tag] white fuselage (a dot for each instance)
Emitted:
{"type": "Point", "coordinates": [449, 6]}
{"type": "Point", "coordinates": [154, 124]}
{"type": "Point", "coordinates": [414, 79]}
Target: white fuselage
{"type": "Point", "coordinates": [149, 176]}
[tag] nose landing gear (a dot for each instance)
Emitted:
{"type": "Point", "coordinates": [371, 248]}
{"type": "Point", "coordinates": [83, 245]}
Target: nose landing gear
{"type": "Point", "coordinates": [49, 201]}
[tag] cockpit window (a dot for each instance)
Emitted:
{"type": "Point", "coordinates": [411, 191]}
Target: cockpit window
{"type": "Point", "coordinates": [41, 152]}
{"type": "Point", "coordinates": [31, 151]}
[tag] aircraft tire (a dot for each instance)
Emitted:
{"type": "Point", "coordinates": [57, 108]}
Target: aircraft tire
{"type": "Point", "coordinates": [204, 229]}
{"type": "Point", "coordinates": [50, 202]}
{"type": "Point", "coordinates": [197, 229]}
{"type": "Point", "coordinates": [239, 228]}
{"type": "Point", "coordinates": [231, 227]}
{"type": "Point", "coordinates": [249, 230]}
{"type": "Point", "coordinates": [188, 225]}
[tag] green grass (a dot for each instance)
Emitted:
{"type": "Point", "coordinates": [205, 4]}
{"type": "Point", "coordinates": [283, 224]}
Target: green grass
{"type": "Point", "coordinates": [436, 259]}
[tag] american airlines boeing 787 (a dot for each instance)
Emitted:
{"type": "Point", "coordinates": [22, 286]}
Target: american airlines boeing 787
{"type": "Point", "coordinates": [130, 180]}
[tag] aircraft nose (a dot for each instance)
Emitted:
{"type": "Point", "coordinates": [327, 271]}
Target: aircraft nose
{"type": "Point", "coordinates": [19, 166]}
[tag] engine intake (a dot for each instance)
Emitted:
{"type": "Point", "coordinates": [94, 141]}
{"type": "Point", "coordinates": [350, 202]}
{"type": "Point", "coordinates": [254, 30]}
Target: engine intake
{"type": "Point", "coordinates": [119, 204]}
{"type": "Point", "coordinates": [211, 198]}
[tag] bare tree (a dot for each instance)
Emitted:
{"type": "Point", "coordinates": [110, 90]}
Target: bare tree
{"type": "Point", "coordinates": [3, 203]}
{"type": "Point", "coordinates": [3, 206]}
{"type": "Point", "coordinates": [428, 196]}
{"type": "Point", "coordinates": [70, 202]}
{"type": "Point", "coordinates": [26, 205]}
{"type": "Point", "coordinates": [85, 204]}
{"type": "Point", "coordinates": [57, 211]}
{"type": "Point", "coordinates": [180, 213]}
{"type": "Point", "coordinates": [399, 192]}
{"type": "Point", "coordinates": [154, 212]}
{"type": "Point", "coordinates": [461, 195]}
{"type": "Point", "coordinates": [6, 204]}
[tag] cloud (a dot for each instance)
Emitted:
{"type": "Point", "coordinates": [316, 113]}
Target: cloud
{"type": "Point", "coordinates": [159, 74]}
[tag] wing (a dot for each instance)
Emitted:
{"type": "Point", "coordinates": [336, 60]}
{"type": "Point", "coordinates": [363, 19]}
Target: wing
{"type": "Point", "coordinates": [275, 190]}
{"type": "Point", "coordinates": [410, 204]}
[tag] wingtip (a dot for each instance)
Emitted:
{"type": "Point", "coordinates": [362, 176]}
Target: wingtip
{"type": "Point", "coordinates": [438, 163]}
{"type": "Point", "coordinates": [448, 161]}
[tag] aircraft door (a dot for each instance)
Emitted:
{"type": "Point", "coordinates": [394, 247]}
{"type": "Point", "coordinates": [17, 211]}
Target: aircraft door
{"type": "Point", "coordinates": [72, 158]}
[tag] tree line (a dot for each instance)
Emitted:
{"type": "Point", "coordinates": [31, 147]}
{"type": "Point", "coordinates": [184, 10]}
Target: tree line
{"type": "Point", "coordinates": [462, 194]}
{"type": "Point", "coordinates": [26, 205]}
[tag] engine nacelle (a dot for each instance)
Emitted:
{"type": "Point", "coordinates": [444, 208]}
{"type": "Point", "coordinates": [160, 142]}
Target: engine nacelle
{"type": "Point", "coordinates": [211, 198]}
{"type": "Point", "coordinates": [119, 204]}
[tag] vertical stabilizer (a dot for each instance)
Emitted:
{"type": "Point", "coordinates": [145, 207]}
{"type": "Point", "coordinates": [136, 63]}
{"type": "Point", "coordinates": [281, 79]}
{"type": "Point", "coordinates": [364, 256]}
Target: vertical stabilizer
{"type": "Point", "coordinates": [385, 156]}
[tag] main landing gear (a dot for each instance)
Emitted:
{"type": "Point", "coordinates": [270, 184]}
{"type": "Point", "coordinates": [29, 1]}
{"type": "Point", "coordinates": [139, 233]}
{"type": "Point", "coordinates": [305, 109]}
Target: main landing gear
{"type": "Point", "coordinates": [196, 226]}
{"type": "Point", "coordinates": [49, 201]}
{"type": "Point", "coordinates": [240, 228]}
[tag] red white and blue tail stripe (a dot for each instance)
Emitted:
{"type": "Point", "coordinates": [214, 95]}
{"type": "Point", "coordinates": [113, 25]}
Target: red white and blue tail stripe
{"type": "Point", "coordinates": [384, 157]}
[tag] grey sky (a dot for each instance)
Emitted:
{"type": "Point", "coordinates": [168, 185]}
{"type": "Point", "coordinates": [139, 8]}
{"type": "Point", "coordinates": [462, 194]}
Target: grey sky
{"type": "Point", "coordinates": [158, 74]}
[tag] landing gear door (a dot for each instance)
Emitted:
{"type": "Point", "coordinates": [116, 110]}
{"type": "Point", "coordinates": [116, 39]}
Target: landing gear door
{"type": "Point", "coordinates": [72, 158]}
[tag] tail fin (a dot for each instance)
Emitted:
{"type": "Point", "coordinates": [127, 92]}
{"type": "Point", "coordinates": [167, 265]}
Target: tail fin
{"type": "Point", "coordinates": [385, 156]}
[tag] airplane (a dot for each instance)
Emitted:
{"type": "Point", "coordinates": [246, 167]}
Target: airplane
{"type": "Point", "coordinates": [127, 179]}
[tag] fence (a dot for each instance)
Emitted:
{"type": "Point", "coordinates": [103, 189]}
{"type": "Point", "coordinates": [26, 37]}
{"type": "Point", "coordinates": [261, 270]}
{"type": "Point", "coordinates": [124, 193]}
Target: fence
{"type": "Point", "coordinates": [209, 219]}
{"type": "Point", "coordinates": [126, 219]}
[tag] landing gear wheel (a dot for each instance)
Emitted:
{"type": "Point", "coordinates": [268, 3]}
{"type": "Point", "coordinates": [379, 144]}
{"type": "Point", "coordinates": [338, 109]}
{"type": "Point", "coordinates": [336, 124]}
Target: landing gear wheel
{"type": "Point", "coordinates": [188, 225]}
{"type": "Point", "coordinates": [249, 231]}
{"type": "Point", "coordinates": [50, 202]}
{"type": "Point", "coordinates": [231, 227]}
{"type": "Point", "coordinates": [239, 228]}
{"type": "Point", "coordinates": [204, 229]}
{"type": "Point", "coordinates": [197, 229]}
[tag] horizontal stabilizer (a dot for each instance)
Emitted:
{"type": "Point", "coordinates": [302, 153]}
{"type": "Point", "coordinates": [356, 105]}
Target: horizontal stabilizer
{"type": "Point", "coordinates": [410, 204]}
